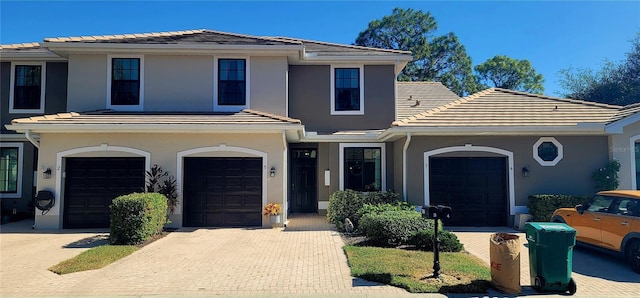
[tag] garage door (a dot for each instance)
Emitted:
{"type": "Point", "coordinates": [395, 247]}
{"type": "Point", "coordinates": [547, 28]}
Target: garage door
{"type": "Point", "coordinates": [222, 191]}
{"type": "Point", "coordinates": [474, 187]}
{"type": "Point", "coordinates": [92, 183]}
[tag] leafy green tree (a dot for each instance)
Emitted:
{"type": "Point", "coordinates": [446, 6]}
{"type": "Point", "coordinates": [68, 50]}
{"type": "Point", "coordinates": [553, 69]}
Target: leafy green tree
{"type": "Point", "coordinates": [436, 58]}
{"type": "Point", "coordinates": [508, 73]}
{"type": "Point", "coordinates": [614, 83]}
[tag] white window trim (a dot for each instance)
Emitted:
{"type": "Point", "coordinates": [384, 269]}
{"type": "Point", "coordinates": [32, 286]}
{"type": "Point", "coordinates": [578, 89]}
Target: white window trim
{"type": "Point", "coordinates": [230, 108]}
{"type": "Point", "coordinates": [632, 145]}
{"type": "Point", "coordinates": [383, 162]}
{"type": "Point", "coordinates": [545, 163]}
{"type": "Point", "coordinates": [43, 83]}
{"type": "Point", "coordinates": [333, 90]}
{"type": "Point", "coordinates": [140, 105]}
{"type": "Point", "coordinates": [18, 193]}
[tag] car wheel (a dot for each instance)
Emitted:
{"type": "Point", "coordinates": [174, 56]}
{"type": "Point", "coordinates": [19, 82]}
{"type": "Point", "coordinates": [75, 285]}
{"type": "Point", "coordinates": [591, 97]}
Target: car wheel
{"type": "Point", "coordinates": [538, 284]}
{"type": "Point", "coordinates": [573, 288]}
{"type": "Point", "coordinates": [633, 255]}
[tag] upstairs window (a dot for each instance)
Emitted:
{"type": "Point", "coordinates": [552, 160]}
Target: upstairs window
{"type": "Point", "coordinates": [125, 81]}
{"type": "Point", "coordinates": [232, 82]}
{"type": "Point", "coordinates": [347, 94]}
{"type": "Point", "coordinates": [27, 88]}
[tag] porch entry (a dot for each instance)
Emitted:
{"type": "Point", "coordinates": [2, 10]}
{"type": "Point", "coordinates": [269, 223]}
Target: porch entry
{"type": "Point", "coordinates": [303, 180]}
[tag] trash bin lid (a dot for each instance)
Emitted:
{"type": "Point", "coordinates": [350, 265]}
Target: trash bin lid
{"type": "Point", "coordinates": [551, 227]}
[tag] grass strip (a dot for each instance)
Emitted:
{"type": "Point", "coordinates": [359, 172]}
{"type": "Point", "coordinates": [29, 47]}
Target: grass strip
{"type": "Point", "coordinates": [94, 258]}
{"type": "Point", "coordinates": [413, 270]}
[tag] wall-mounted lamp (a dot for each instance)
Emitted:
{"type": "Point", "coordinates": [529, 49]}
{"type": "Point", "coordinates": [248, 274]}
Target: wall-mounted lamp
{"type": "Point", "coordinates": [272, 172]}
{"type": "Point", "coordinates": [47, 173]}
{"type": "Point", "coordinates": [525, 172]}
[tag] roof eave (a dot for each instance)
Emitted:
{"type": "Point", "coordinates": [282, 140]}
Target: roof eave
{"type": "Point", "coordinates": [580, 129]}
{"type": "Point", "coordinates": [618, 126]}
{"type": "Point", "coordinates": [347, 58]}
{"type": "Point", "coordinates": [44, 55]}
{"type": "Point", "coordinates": [94, 47]}
{"type": "Point", "coordinates": [152, 128]}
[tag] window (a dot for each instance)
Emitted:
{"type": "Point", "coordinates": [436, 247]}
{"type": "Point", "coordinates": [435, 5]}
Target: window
{"type": "Point", "coordinates": [347, 94]}
{"type": "Point", "coordinates": [362, 167]}
{"type": "Point", "coordinates": [27, 88]}
{"type": "Point", "coordinates": [232, 82]}
{"type": "Point", "coordinates": [628, 207]}
{"type": "Point", "coordinates": [637, 165]}
{"type": "Point", "coordinates": [125, 84]}
{"type": "Point", "coordinates": [547, 151]}
{"type": "Point", "coordinates": [600, 204]}
{"type": "Point", "coordinates": [11, 170]}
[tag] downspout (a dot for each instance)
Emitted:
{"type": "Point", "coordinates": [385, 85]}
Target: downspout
{"type": "Point", "coordinates": [404, 166]}
{"type": "Point", "coordinates": [27, 134]}
{"type": "Point", "coordinates": [285, 190]}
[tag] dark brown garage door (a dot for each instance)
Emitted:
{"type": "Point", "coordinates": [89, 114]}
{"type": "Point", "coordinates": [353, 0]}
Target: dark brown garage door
{"type": "Point", "coordinates": [92, 183]}
{"type": "Point", "coordinates": [222, 191]}
{"type": "Point", "coordinates": [474, 187]}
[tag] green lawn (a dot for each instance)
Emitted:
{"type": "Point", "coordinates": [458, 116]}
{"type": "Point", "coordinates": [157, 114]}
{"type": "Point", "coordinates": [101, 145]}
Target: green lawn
{"type": "Point", "coordinates": [413, 270]}
{"type": "Point", "coordinates": [94, 258]}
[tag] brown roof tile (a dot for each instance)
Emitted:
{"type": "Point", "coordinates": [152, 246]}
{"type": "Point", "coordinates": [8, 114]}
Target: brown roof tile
{"type": "Point", "coordinates": [416, 97]}
{"type": "Point", "coordinates": [625, 112]}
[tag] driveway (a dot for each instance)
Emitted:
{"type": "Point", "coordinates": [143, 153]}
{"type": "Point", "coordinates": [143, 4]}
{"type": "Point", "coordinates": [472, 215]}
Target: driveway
{"type": "Point", "coordinates": [306, 258]}
{"type": "Point", "coordinates": [595, 273]}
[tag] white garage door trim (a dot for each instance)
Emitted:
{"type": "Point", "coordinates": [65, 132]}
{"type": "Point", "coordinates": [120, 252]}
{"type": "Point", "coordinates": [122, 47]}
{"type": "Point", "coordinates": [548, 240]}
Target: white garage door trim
{"type": "Point", "coordinates": [508, 154]}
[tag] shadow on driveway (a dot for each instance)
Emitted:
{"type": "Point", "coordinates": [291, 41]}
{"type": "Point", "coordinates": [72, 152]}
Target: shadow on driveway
{"type": "Point", "coordinates": [592, 262]}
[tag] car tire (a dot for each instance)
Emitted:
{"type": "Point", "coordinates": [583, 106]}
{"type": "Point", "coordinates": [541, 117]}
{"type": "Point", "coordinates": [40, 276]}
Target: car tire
{"type": "Point", "coordinates": [633, 255]}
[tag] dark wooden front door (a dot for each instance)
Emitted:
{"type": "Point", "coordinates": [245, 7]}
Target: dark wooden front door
{"type": "Point", "coordinates": [304, 181]}
{"type": "Point", "coordinates": [222, 191]}
{"type": "Point", "coordinates": [92, 183]}
{"type": "Point", "coordinates": [474, 187]}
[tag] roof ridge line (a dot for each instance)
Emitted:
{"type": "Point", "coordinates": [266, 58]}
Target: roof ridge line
{"type": "Point", "coordinates": [344, 45]}
{"type": "Point", "coordinates": [250, 36]}
{"type": "Point", "coordinates": [123, 35]}
{"type": "Point", "coordinates": [568, 100]}
{"type": "Point", "coordinates": [272, 116]}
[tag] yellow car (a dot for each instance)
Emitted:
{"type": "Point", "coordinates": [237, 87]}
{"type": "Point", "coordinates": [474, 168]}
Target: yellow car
{"type": "Point", "coordinates": [609, 220]}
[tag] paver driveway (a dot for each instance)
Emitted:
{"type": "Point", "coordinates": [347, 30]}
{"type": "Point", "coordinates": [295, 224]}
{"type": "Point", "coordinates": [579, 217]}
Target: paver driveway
{"type": "Point", "coordinates": [304, 258]}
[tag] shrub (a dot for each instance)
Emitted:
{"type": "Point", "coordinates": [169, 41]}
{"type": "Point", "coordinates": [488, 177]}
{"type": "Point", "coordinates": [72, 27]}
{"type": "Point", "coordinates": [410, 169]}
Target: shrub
{"type": "Point", "coordinates": [346, 203]}
{"type": "Point", "coordinates": [607, 178]}
{"type": "Point", "coordinates": [423, 240]}
{"type": "Point", "coordinates": [137, 217]}
{"type": "Point", "coordinates": [392, 228]}
{"type": "Point", "coordinates": [541, 207]}
{"type": "Point", "coordinates": [397, 206]}
{"type": "Point", "coordinates": [158, 180]}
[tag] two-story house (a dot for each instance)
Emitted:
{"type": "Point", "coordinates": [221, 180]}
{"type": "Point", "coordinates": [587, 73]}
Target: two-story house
{"type": "Point", "coordinates": [241, 121]}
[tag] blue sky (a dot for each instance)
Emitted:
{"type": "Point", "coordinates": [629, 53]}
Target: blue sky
{"type": "Point", "coordinates": [552, 35]}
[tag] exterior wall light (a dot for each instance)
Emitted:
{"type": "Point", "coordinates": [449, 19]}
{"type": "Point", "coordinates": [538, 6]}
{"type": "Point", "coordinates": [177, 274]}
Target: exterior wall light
{"type": "Point", "coordinates": [525, 172]}
{"type": "Point", "coordinates": [47, 173]}
{"type": "Point", "coordinates": [272, 172]}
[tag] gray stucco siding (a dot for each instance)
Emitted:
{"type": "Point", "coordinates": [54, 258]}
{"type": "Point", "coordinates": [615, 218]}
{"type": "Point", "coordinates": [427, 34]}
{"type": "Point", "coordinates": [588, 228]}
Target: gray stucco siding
{"type": "Point", "coordinates": [87, 83]}
{"type": "Point", "coordinates": [310, 99]}
{"type": "Point", "coordinates": [572, 174]}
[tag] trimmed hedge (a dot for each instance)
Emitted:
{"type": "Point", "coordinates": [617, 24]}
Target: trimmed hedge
{"type": "Point", "coordinates": [424, 241]}
{"type": "Point", "coordinates": [397, 206]}
{"type": "Point", "coordinates": [346, 203]}
{"type": "Point", "coordinates": [541, 207]}
{"type": "Point", "coordinates": [137, 217]}
{"type": "Point", "coordinates": [393, 228]}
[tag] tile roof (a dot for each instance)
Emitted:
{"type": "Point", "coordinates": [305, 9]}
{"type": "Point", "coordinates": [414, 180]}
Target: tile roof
{"type": "Point", "coordinates": [107, 117]}
{"type": "Point", "coordinates": [175, 37]}
{"type": "Point", "coordinates": [416, 97]}
{"type": "Point", "coordinates": [501, 107]}
{"type": "Point", "coordinates": [20, 46]}
{"type": "Point", "coordinates": [625, 111]}
{"type": "Point", "coordinates": [322, 48]}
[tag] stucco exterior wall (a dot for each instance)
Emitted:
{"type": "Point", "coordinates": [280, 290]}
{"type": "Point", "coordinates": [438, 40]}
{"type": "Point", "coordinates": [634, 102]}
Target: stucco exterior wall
{"type": "Point", "coordinates": [572, 174]}
{"type": "Point", "coordinates": [87, 89]}
{"type": "Point", "coordinates": [163, 150]}
{"type": "Point", "coordinates": [269, 84]}
{"type": "Point", "coordinates": [622, 149]}
{"type": "Point", "coordinates": [310, 99]}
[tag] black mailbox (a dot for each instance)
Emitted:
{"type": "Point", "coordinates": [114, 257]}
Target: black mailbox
{"type": "Point", "coordinates": [436, 212]}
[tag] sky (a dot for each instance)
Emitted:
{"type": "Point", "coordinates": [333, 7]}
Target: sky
{"type": "Point", "coordinates": [551, 35]}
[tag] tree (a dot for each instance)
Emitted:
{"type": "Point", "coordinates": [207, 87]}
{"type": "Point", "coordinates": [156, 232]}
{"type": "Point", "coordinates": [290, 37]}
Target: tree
{"type": "Point", "coordinates": [613, 84]}
{"type": "Point", "coordinates": [436, 58]}
{"type": "Point", "coordinates": [508, 73]}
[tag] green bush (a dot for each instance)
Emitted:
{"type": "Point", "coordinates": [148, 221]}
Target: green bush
{"type": "Point", "coordinates": [423, 240]}
{"type": "Point", "coordinates": [393, 228]}
{"type": "Point", "coordinates": [541, 207]}
{"type": "Point", "coordinates": [346, 203]}
{"type": "Point", "coordinates": [137, 217]}
{"type": "Point", "coordinates": [606, 178]}
{"type": "Point", "coordinates": [397, 206]}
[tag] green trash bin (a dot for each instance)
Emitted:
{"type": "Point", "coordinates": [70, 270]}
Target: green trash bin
{"type": "Point", "coordinates": [551, 256]}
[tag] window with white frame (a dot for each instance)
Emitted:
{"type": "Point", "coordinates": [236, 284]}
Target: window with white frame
{"type": "Point", "coordinates": [362, 167]}
{"type": "Point", "coordinates": [27, 91]}
{"type": "Point", "coordinates": [347, 90]}
{"type": "Point", "coordinates": [126, 83]}
{"type": "Point", "coordinates": [547, 151]}
{"type": "Point", "coordinates": [232, 84]}
{"type": "Point", "coordinates": [11, 170]}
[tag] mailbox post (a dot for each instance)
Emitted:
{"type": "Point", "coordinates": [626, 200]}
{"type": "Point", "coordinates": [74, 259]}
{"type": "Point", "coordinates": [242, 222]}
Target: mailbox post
{"type": "Point", "coordinates": [435, 213]}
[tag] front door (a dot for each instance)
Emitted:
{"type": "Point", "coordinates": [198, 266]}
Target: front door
{"type": "Point", "coordinates": [303, 181]}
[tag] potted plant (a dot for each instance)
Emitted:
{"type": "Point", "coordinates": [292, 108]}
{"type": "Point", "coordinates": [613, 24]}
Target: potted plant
{"type": "Point", "coordinates": [273, 211]}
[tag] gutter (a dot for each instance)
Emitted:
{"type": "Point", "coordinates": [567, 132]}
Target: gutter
{"type": "Point", "coordinates": [27, 134]}
{"type": "Point", "coordinates": [404, 166]}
